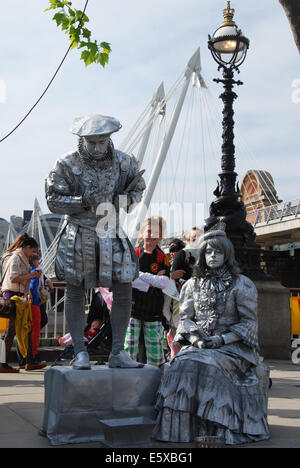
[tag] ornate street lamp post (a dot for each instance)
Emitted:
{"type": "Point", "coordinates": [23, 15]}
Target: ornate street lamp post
{"type": "Point", "coordinates": [229, 49]}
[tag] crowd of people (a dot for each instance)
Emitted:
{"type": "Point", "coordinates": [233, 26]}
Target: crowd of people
{"type": "Point", "coordinates": [154, 315]}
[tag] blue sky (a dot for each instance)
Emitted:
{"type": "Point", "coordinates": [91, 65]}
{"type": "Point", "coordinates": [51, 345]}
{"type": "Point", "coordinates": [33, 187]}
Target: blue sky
{"type": "Point", "coordinates": [151, 42]}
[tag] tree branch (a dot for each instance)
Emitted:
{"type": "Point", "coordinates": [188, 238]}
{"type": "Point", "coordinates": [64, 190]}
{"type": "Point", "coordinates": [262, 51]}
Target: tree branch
{"type": "Point", "coordinates": [292, 10]}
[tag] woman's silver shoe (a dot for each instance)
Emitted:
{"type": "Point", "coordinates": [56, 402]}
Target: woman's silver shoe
{"type": "Point", "coordinates": [81, 361]}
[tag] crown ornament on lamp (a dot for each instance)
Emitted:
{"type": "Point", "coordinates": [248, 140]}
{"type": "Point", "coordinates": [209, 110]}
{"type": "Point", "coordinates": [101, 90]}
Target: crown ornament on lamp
{"type": "Point", "coordinates": [228, 14]}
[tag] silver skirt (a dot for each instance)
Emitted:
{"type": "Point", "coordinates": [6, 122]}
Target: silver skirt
{"type": "Point", "coordinates": [212, 392]}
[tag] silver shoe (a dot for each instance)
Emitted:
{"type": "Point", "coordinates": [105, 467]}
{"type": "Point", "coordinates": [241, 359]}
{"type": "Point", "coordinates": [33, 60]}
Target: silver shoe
{"type": "Point", "coordinates": [123, 360]}
{"type": "Point", "coordinates": [82, 361]}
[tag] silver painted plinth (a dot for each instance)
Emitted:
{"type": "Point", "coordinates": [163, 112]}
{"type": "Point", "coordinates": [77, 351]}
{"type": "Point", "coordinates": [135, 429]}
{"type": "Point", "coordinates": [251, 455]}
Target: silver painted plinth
{"type": "Point", "coordinates": [76, 401]}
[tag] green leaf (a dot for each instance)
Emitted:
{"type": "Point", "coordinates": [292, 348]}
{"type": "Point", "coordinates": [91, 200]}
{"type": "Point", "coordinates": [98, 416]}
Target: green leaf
{"type": "Point", "coordinates": [59, 18]}
{"type": "Point", "coordinates": [71, 12]}
{"type": "Point", "coordinates": [103, 59]}
{"type": "Point", "coordinates": [86, 33]}
{"type": "Point", "coordinates": [74, 44]}
{"type": "Point", "coordinates": [105, 45]}
{"type": "Point", "coordinates": [87, 57]}
{"type": "Point", "coordinates": [82, 44]}
{"type": "Point", "coordinates": [79, 15]}
{"type": "Point", "coordinates": [92, 46]}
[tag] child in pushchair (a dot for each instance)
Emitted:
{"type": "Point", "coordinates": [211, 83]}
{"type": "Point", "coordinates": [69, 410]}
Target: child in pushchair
{"type": "Point", "coordinates": [96, 333]}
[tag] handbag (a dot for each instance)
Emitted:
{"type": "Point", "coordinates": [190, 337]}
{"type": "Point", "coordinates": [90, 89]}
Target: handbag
{"type": "Point", "coordinates": [44, 295]}
{"type": "Point", "coordinates": [7, 307]}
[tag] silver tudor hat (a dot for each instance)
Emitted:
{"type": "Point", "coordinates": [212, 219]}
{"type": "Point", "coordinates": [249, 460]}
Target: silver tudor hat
{"type": "Point", "coordinates": [95, 125]}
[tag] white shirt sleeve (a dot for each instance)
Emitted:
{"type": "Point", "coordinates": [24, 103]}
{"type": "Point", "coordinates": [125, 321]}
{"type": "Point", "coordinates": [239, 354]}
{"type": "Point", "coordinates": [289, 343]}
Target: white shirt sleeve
{"type": "Point", "coordinates": [156, 281]}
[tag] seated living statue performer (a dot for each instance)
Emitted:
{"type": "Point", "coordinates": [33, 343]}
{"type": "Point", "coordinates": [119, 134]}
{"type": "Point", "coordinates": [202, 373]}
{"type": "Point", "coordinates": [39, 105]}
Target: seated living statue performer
{"type": "Point", "coordinates": [216, 386]}
{"type": "Point", "coordinates": [92, 176]}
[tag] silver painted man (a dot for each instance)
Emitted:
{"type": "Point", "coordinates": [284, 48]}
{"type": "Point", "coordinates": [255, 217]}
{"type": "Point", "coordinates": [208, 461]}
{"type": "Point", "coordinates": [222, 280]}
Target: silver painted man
{"type": "Point", "coordinates": [85, 185]}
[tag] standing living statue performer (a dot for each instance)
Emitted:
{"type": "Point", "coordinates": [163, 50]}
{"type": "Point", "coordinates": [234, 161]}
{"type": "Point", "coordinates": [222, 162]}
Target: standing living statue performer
{"type": "Point", "coordinates": [84, 185]}
{"type": "Point", "coordinates": [216, 387]}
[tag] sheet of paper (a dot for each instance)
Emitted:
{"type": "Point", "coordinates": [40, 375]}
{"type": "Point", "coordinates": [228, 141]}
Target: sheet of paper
{"type": "Point", "coordinates": [171, 290]}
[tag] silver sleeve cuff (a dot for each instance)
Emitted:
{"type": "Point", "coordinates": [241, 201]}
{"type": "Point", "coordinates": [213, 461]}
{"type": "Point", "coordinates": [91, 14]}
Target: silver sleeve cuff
{"type": "Point", "coordinates": [230, 338]}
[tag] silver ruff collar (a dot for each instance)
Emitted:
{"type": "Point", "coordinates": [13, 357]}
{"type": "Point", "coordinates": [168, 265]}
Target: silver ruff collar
{"type": "Point", "coordinates": [102, 163]}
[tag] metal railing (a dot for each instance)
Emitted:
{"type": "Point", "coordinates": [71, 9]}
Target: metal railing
{"type": "Point", "coordinates": [56, 313]}
{"type": "Point", "coordinates": [275, 213]}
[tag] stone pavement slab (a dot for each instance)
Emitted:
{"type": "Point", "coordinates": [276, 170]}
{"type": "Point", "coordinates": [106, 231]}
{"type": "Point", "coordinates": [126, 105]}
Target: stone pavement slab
{"type": "Point", "coordinates": [22, 408]}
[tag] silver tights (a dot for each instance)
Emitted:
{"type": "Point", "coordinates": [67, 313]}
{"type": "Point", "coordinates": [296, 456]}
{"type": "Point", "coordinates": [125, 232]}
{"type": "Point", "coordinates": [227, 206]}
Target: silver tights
{"type": "Point", "coordinates": [119, 316]}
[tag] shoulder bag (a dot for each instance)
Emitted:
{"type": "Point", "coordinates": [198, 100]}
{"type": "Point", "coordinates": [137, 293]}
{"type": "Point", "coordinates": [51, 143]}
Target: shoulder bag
{"type": "Point", "coordinates": [7, 307]}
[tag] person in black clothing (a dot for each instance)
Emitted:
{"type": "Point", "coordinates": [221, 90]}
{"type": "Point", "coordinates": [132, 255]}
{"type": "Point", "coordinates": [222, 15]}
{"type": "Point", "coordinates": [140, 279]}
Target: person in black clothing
{"type": "Point", "coordinates": [180, 259]}
{"type": "Point", "coordinates": [147, 309]}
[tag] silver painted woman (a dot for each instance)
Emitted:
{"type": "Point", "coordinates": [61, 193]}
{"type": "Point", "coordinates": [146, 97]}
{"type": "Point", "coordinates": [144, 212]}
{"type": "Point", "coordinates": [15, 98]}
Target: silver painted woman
{"type": "Point", "coordinates": [216, 386]}
{"type": "Point", "coordinates": [87, 185]}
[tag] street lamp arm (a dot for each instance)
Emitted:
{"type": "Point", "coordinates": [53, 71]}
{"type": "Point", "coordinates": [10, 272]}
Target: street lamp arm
{"type": "Point", "coordinates": [219, 80]}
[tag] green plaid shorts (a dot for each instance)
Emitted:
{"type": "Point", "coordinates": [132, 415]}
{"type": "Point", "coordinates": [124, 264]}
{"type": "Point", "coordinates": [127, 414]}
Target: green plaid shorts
{"type": "Point", "coordinates": [154, 340]}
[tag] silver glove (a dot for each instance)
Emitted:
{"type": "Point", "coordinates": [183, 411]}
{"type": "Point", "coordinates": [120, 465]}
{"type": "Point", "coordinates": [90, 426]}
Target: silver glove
{"type": "Point", "coordinates": [213, 342]}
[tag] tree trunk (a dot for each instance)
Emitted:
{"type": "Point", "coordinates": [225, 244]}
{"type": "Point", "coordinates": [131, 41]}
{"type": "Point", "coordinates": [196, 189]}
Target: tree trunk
{"type": "Point", "coordinates": [292, 10]}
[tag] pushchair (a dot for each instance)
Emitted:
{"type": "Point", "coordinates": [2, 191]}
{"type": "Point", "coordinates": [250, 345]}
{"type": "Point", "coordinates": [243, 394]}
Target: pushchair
{"type": "Point", "coordinates": [98, 345]}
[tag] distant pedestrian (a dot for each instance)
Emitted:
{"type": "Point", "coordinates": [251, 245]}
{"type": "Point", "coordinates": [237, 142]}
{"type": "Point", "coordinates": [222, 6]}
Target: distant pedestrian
{"type": "Point", "coordinates": [192, 239]}
{"type": "Point", "coordinates": [16, 282]}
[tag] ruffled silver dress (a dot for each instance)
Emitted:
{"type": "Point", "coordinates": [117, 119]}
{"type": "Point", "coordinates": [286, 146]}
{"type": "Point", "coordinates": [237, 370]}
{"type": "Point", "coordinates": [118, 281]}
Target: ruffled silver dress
{"type": "Point", "coordinates": [219, 392]}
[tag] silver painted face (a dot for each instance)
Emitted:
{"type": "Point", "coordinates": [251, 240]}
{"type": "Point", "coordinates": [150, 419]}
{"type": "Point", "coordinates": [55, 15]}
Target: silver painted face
{"type": "Point", "coordinates": [214, 257]}
{"type": "Point", "coordinates": [96, 145]}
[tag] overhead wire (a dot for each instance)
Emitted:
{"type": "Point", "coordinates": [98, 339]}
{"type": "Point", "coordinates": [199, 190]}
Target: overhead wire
{"type": "Point", "coordinates": [48, 85]}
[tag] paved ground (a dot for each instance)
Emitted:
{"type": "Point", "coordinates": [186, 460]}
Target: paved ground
{"type": "Point", "coordinates": [22, 397]}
